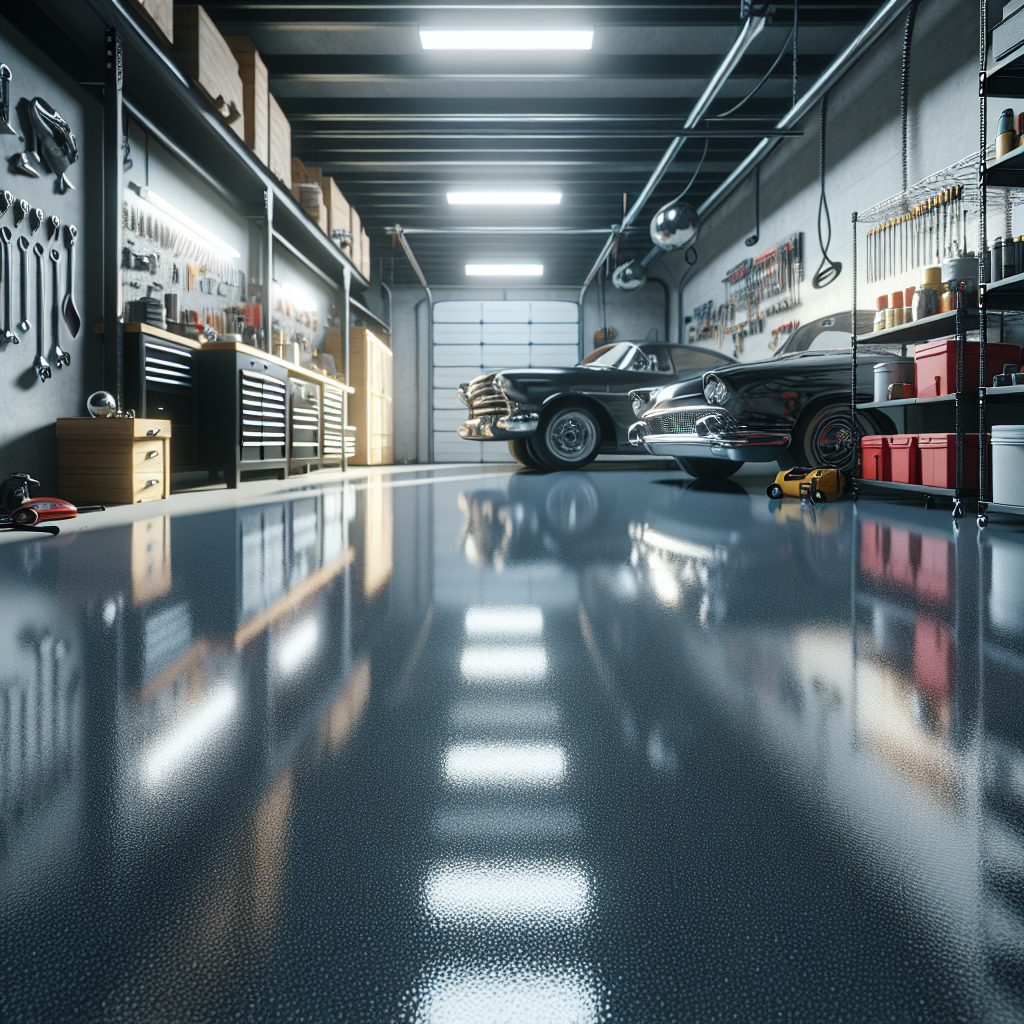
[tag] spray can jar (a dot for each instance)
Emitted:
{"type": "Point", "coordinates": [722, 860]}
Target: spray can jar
{"type": "Point", "coordinates": [926, 298]}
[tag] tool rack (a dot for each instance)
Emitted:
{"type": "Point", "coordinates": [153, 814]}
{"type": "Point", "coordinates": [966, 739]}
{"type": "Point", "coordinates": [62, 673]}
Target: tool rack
{"type": "Point", "coordinates": [997, 406]}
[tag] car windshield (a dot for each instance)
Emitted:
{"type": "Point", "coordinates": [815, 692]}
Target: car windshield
{"type": "Point", "coordinates": [830, 334]}
{"type": "Point", "coordinates": [619, 356]}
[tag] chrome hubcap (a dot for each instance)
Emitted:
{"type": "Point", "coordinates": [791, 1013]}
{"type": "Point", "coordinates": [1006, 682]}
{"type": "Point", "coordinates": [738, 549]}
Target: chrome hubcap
{"type": "Point", "coordinates": [833, 442]}
{"type": "Point", "coordinates": [571, 436]}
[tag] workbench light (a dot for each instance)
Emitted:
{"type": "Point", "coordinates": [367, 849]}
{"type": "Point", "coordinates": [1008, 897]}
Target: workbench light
{"type": "Point", "coordinates": [149, 196]}
{"type": "Point", "coordinates": [504, 269]}
{"type": "Point", "coordinates": [504, 198]}
{"type": "Point", "coordinates": [507, 38]}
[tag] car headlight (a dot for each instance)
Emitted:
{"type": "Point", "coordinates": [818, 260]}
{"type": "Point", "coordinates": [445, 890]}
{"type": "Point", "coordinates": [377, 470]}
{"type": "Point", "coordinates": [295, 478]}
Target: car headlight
{"type": "Point", "coordinates": [715, 390]}
{"type": "Point", "coordinates": [639, 400]}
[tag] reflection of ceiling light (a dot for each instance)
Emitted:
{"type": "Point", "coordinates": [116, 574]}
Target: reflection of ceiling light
{"type": "Point", "coordinates": [504, 269]}
{"type": "Point", "coordinates": [529, 892]}
{"type": "Point", "coordinates": [504, 620]}
{"type": "Point", "coordinates": [675, 546]}
{"type": "Point", "coordinates": [504, 198]}
{"type": "Point", "coordinates": [507, 38]}
{"type": "Point", "coordinates": [149, 196]}
{"type": "Point", "coordinates": [504, 764]}
{"type": "Point", "coordinates": [297, 646]}
{"type": "Point", "coordinates": [504, 664]}
{"type": "Point", "coordinates": [455, 994]}
{"type": "Point", "coordinates": [183, 742]}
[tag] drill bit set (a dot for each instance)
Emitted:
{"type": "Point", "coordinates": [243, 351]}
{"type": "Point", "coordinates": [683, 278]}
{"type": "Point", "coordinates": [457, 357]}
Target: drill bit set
{"type": "Point", "coordinates": [932, 231]}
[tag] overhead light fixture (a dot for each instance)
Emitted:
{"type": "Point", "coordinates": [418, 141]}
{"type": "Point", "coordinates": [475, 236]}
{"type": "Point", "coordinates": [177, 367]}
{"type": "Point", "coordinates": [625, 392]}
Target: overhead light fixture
{"type": "Point", "coordinates": [149, 196]}
{"type": "Point", "coordinates": [504, 269]}
{"type": "Point", "coordinates": [507, 38]}
{"type": "Point", "coordinates": [504, 198]}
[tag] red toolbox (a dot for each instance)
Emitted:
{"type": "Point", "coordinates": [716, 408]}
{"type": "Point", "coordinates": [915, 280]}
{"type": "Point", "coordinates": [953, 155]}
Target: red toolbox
{"type": "Point", "coordinates": [904, 459]}
{"type": "Point", "coordinates": [935, 365]}
{"type": "Point", "coordinates": [938, 460]}
{"type": "Point", "coordinates": [874, 457]}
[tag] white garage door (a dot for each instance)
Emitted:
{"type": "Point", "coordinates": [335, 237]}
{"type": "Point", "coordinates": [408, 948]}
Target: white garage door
{"type": "Point", "coordinates": [471, 338]}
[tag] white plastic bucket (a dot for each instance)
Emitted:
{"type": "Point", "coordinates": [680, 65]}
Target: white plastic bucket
{"type": "Point", "coordinates": [1008, 465]}
{"type": "Point", "coordinates": [891, 373]}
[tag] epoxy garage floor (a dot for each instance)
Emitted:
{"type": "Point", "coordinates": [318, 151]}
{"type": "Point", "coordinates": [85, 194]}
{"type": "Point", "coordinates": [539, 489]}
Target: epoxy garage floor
{"type": "Point", "coordinates": [483, 746]}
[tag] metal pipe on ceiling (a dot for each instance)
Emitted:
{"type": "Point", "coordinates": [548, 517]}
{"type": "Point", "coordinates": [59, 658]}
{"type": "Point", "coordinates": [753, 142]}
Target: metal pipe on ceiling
{"type": "Point", "coordinates": [867, 36]}
{"type": "Point", "coordinates": [751, 29]}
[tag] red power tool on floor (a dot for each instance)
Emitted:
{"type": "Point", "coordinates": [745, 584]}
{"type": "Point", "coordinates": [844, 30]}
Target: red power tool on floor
{"type": "Point", "coordinates": [20, 511]}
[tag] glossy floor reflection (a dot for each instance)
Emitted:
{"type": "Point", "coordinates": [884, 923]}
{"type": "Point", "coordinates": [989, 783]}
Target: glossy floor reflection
{"type": "Point", "coordinates": [482, 747]}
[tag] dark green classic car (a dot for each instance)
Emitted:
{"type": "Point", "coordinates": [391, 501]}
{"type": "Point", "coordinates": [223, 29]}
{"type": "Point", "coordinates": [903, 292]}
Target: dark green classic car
{"type": "Point", "coordinates": [564, 417]}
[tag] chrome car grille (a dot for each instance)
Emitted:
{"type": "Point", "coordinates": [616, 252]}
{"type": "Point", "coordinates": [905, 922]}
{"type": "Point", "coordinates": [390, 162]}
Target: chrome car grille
{"type": "Point", "coordinates": [681, 422]}
{"type": "Point", "coordinates": [486, 398]}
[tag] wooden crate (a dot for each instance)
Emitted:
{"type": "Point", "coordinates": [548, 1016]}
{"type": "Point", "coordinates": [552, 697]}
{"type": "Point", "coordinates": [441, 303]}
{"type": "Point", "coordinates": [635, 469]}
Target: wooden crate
{"type": "Point", "coordinates": [279, 163]}
{"type": "Point", "coordinates": [371, 407]}
{"type": "Point", "coordinates": [255, 95]}
{"type": "Point", "coordinates": [158, 17]}
{"type": "Point", "coordinates": [113, 461]}
{"type": "Point", "coordinates": [203, 55]}
{"type": "Point", "coordinates": [339, 213]}
{"type": "Point", "coordinates": [356, 253]}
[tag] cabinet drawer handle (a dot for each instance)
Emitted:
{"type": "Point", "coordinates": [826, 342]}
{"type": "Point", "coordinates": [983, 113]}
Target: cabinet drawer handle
{"type": "Point", "coordinates": [152, 432]}
{"type": "Point", "coordinates": [150, 483]}
{"type": "Point", "coordinates": [152, 453]}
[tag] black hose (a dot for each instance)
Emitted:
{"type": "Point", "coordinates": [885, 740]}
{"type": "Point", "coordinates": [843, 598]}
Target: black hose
{"type": "Point", "coordinates": [767, 74]}
{"type": "Point", "coordinates": [828, 270]}
{"type": "Point", "coordinates": [796, 32]}
{"type": "Point", "coordinates": [689, 184]}
{"type": "Point", "coordinates": [908, 35]}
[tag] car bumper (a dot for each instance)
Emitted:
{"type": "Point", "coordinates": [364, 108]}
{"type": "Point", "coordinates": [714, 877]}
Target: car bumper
{"type": "Point", "coordinates": [499, 428]}
{"type": "Point", "coordinates": [736, 444]}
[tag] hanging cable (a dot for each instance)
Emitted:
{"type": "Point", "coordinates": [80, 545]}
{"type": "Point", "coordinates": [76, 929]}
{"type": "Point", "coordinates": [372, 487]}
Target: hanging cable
{"type": "Point", "coordinates": [828, 270]}
{"type": "Point", "coordinates": [908, 35]}
{"type": "Point", "coordinates": [689, 184]}
{"type": "Point", "coordinates": [795, 33]}
{"type": "Point", "coordinates": [781, 53]}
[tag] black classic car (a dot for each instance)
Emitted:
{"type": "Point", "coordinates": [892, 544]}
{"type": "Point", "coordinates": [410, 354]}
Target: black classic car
{"type": "Point", "coordinates": [793, 408]}
{"type": "Point", "coordinates": [563, 417]}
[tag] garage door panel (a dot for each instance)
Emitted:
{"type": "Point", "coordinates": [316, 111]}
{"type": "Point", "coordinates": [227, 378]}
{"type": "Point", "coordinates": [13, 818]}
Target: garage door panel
{"type": "Point", "coordinates": [554, 334]}
{"type": "Point", "coordinates": [449, 419]}
{"type": "Point", "coordinates": [456, 334]}
{"type": "Point", "coordinates": [453, 376]}
{"type": "Point", "coordinates": [505, 312]}
{"type": "Point", "coordinates": [505, 334]}
{"type": "Point", "coordinates": [554, 312]}
{"type": "Point", "coordinates": [446, 398]}
{"type": "Point", "coordinates": [457, 355]}
{"type": "Point", "coordinates": [555, 355]}
{"type": "Point", "coordinates": [457, 312]}
{"type": "Point", "coordinates": [505, 357]}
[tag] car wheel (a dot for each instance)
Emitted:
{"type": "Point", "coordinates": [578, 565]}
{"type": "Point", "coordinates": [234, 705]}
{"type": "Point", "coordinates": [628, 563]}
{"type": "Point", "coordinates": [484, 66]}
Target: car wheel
{"type": "Point", "coordinates": [708, 469]}
{"type": "Point", "coordinates": [774, 491]}
{"type": "Point", "coordinates": [568, 438]}
{"type": "Point", "coordinates": [520, 449]}
{"type": "Point", "coordinates": [825, 438]}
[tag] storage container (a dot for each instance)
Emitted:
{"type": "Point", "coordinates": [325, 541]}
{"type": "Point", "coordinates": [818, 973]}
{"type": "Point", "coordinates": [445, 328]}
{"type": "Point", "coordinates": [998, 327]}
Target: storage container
{"type": "Point", "coordinates": [356, 254]}
{"type": "Point", "coordinates": [255, 95]}
{"type": "Point", "coordinates": [158, 16]}
{"type": "Point", "coordinates": [339, 213]}
{"type": "Point", "coordinates": [280, 161]}
{"type": "Point", "coordinates": [936, 365]}
{"type": "Point", "coordinates": [938, 460]}
{"type": "Point", "coordinates": [904, 459]}
{"type": "Point", "coordinates": [1008, 465]}
{"type": "Point", "coordinates": [113, 461]}
{"type": "Point", "coordinates": [891, 373]}
{"type": "Point", "coordinates": [371, 406]}
{"type": "Point", "coordinates": [874, 450]}
{"type": "Point", "coordinates": [205, 57]}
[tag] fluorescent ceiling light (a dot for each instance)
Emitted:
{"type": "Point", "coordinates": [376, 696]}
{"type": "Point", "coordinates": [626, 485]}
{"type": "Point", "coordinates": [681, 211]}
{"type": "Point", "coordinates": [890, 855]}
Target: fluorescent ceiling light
{"type": "Point", "coordinates": [541, 893]}
{"type": "Point", "coordinates": [504, 198]}
{"type": "Point", "coordinates": [504, 269]}
{"type": "Point", "coordinates": [149, 196]}
{"type": "Point", "coordinates": [507, 38]}
{"type": "Point", "coordinates": [504, 765]}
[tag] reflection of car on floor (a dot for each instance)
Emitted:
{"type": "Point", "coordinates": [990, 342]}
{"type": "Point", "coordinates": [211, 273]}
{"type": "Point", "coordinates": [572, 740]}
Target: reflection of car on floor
{"type": "Point", "coordinates": [563, 417]}
{"type": "Point", "coordinates": [793, 408]}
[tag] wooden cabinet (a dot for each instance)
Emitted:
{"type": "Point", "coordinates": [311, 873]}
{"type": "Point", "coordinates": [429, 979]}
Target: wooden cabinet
{"type": "Point", "coordinates": [113, 461]}
{"type": "Point", "coordinates": [371, 363]}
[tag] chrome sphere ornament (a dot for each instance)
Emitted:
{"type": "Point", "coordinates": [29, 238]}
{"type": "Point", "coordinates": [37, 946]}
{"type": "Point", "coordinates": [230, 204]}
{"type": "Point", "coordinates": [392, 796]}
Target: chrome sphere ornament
{"type": "Point", "coordinates": [101, 405]}
{"type": "Point", "coordinates": [674, 226]}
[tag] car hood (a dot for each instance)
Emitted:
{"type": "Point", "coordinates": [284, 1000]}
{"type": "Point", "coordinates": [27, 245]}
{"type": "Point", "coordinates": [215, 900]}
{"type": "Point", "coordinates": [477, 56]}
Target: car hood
{"type": "Point", "coordinates": [527, 381]}
{"type": "Point", "coordinates": [801, 364]}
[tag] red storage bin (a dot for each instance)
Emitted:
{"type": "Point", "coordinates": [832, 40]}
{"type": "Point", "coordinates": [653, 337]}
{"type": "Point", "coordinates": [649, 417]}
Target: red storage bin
{"type": "Point", "coordinates": [938, 460]}
{"type": "Point", "coordinates": [874, 457]}
{"type": "Point", "coordinates": [904, 459]}
{"type": "Point", "coordinates": [935, 365]}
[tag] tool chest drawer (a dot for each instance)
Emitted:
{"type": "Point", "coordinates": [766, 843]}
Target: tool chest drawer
{"type": "Point", "coordinates": [262, 407]}
{"type": "Point", "coordinates": [304, 420]}
{"type": "Point", "coordinates": [334, 425]}
{"type": "Point", "coordinates": [113, 461]}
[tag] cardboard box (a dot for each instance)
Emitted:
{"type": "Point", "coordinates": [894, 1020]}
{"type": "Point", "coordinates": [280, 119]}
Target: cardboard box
{"type": "Point", "coordinates": [157, 16]}
{"type": "Point", "coordinates": [356, 227]}
{"type": "Point", "coordinates": [205, 57]}
{"type": "Point", "coordinates": [255, 95]}
{"type": "Point", "coordinates": [279, 162]}
{"type": "Point", "coordinates": [365, 266]}
{"type": "Point", "coordinates": [339, 213]}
